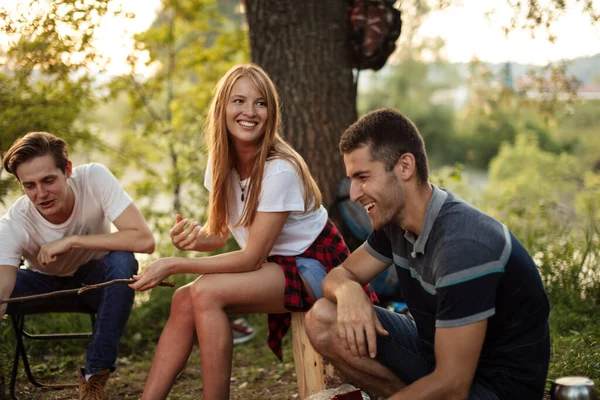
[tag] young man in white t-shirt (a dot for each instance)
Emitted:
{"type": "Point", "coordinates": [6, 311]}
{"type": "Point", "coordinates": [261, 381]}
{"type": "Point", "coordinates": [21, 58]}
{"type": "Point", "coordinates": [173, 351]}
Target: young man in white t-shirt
{"type": "Point", "coordinates": [61, 229]}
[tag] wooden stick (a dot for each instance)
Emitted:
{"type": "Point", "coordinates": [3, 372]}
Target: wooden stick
{"type": "Point", "coordinates": [83, 289]}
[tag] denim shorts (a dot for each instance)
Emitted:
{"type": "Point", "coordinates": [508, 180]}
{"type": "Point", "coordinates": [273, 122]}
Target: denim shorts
{"type": "Point", "coordinates": [403, 353]}
{"type": "Point", "coordinates": [313, 273]}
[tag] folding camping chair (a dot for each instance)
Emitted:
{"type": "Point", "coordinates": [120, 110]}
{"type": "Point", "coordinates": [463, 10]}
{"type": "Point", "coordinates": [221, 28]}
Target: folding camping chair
{"type": "Point", "coordinates": [18, 312]}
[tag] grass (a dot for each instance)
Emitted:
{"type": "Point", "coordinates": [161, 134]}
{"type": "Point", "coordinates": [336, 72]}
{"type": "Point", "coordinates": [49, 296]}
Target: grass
{"type": "Point", "coordinates": [257, 373]}
{"type": "Point", "coordinates": [575, 333]}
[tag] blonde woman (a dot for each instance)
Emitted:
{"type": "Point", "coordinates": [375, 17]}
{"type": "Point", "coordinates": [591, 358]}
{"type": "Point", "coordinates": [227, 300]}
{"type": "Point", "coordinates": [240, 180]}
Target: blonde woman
{"type": "Point", "coordinates": [262, 193]}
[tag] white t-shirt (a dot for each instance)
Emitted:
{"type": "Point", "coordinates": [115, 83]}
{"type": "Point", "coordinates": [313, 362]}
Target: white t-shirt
{"type": "Point", "coordinates": [282, 190]}
{"type": "Point", "coordinates": [99, 198]}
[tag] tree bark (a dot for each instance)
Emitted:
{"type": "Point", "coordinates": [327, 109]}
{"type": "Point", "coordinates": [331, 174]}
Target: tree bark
{"type": "Point", "coordinates": [303, 46]}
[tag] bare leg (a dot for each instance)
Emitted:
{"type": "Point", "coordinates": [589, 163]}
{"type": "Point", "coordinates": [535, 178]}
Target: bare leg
{"type": "Point", "coordinates": [174, 347]}
{"type": "Point", "coordinates": [213, 298]}
{"type": "Point", "coordinates": [321, 327]}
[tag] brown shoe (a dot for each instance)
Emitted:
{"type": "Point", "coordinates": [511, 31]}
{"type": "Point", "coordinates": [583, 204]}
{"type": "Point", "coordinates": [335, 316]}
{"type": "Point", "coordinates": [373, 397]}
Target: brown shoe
{"type": "Point", "coordinates": [93, 389]}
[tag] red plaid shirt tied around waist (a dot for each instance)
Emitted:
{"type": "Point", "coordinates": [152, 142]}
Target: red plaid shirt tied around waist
{"type": "Point", "coordinates": [330, 250]}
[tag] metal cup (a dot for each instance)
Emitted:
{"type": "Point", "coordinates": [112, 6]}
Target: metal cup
{"type": "Point", "coordinates": [573, 388]}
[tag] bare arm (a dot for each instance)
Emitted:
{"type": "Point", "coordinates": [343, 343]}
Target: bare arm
{"type": "Point", "coordinates": [133, 235]}
{"type": "Point", "coordinates": [262, 236]}
{"type": "Point", "coordinates": [358, 270]}
{"type": "Point", "coordinates": [358, 324]}
{"type": "Point", "coordinates": [8, 277]}
{"type": "Point", "coordinates": [194, 237]}
{"type": "Point", "coordinates": [457, 353]}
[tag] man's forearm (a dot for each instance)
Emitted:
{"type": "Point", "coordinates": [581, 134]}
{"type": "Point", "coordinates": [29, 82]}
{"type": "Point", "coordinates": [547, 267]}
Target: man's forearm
{"type": "Point", "coordinates": [339, 279]}
{"type": "Point", "coordinates": [432, 387]}
{"type": "Point", "coordinates": [8, 277]}
{"type": "Point", "coordinates": [125, 240]}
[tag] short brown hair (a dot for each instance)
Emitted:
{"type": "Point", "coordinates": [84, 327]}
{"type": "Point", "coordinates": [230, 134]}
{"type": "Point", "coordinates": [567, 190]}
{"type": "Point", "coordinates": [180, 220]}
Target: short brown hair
{"type": "Point", "coordinates": [36, 144]}
{"type": "Point", "coordinates": [388, 134]}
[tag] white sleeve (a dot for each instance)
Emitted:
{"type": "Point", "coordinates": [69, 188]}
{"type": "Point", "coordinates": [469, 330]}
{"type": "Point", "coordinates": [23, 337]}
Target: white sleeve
{"type": "Point", "coordinates": [282, 191]}
{"type": "Point", "coordinates": [11, 240]}
{"type": "Point", "coordinates": [105, 187]}
{"type": "Point", "coordinates": [208, 177]}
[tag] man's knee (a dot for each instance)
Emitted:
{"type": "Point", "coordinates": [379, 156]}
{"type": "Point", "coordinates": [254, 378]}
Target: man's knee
{"type": "Point", "coordinates": [121, 264]}
{"type": "Point", "coordinates": [319, 324]}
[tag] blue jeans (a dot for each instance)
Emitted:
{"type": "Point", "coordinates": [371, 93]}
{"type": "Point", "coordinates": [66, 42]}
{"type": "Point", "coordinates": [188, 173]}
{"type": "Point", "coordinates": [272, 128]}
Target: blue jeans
{"type": "Point", "coordinates": [403, 353]}
{"type": "Point", "coordinates": [113, 303]}
{"type": "Point", "coordinates": [313, 273]}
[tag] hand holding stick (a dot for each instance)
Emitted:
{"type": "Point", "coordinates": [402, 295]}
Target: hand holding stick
{"type": "Point", "coordinates": [82, 289]}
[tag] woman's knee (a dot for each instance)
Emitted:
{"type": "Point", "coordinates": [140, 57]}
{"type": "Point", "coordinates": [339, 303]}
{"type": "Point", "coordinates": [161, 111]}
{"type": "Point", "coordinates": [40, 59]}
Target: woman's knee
{"type": "Point", "coordinates": [319, 322]}
{"type": "Point", "coordinates": [181, 302]}
{"type": "Point", "coordinates": [204, 292]}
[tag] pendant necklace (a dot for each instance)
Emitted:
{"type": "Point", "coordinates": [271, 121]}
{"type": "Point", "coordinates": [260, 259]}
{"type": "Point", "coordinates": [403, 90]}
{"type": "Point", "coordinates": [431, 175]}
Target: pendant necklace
{"type": "Point", "coordinates": [242, 188]}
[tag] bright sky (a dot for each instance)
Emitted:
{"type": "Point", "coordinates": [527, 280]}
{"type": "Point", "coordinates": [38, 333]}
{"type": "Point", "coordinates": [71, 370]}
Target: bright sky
{"type": "Point", "coordinates": [468, 33]}
{"type": "Point", "coordinates": [465, 28]}
{"type": "Point", "coordinates": [115, 36]}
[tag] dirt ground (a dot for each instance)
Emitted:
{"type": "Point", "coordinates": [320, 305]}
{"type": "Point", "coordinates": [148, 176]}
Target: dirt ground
{"type": "Point", "coordinates": [257, 374]}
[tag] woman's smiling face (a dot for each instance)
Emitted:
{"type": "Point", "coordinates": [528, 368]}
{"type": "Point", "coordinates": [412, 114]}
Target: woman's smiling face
{"type": "Point", "coordinates": [246, 112]}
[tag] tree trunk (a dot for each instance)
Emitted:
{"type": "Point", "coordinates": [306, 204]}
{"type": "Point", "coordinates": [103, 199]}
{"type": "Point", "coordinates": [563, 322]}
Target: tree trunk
{"type": "Point", "coordinates": [303, 46]}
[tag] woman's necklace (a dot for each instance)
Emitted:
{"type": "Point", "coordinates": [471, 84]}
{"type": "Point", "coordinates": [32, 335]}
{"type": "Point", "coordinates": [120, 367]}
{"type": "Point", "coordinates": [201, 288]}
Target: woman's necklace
{"type": "Point", "coordinates": [242, 188]}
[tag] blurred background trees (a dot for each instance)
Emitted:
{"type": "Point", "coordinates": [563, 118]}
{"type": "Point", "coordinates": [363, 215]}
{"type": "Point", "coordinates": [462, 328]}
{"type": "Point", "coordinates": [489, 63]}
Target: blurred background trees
{"type": "Point", "coordinates": [190, 45]}
{"type": "Point", "coordinates": [45, 76]}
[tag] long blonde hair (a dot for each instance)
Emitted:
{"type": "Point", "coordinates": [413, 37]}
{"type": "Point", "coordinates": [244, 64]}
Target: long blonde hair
{"type": "Point", "coordinates": [272, 145]}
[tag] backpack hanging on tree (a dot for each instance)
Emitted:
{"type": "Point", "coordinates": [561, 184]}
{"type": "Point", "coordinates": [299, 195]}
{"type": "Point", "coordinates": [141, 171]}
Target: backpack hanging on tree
{"type": "Point", "coordinates": [374, 26]}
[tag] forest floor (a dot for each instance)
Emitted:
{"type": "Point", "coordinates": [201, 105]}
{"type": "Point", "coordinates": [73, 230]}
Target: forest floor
{"type": "Point", "coordinates": [248, 382]}
{"type": "Point", "coordinates": [257, 374]}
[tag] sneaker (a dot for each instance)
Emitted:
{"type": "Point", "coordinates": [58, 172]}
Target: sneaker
{"type": "Point", "coordinates": [93, 389]}
{"type": "Point", "coordinates": [242, 331]}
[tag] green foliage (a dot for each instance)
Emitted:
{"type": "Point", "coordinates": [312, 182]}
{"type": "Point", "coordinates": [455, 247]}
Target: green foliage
{"type": "Point", "coordinates": [497, 114]}
{"type": "Point", "coordinates": [533, 209]}
{"type": "Point", "coordinates": [422, 91]}
{"type": "Point", "coordinates": [551, 205]}
{"type": "Point", "coordinates": [55, 38]}
{"type": "Point", "coordinates": [586, 201]}
{"type": "Point", "coordinates": [575, 337]}
{"type": "Point", "coordinates": [581, 128]}
{"type": "Point", "coordinates": [45, 83]}
{"type": "Point", "coordinates": [455, 179]}
{"type": "Point", "coordinates": [190, 46]}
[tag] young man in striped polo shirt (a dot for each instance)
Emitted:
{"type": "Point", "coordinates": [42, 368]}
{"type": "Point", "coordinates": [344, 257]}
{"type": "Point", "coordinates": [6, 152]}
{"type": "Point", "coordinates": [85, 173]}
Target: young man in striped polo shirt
{"type": "Point", "coordinates": [478, 323]}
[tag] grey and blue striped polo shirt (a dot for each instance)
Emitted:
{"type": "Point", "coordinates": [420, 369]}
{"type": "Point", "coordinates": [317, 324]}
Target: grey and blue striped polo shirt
{"type": "Point", "coordinates": [464, 267]}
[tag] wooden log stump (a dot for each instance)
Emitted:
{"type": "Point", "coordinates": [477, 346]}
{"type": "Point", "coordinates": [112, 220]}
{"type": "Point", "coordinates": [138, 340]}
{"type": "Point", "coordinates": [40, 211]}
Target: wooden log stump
{"type": "Point", "coordinates": [312, 372]}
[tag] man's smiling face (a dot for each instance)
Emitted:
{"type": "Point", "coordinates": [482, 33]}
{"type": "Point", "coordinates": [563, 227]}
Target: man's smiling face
{"type": "Point", "coordinates": [379, 191]}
